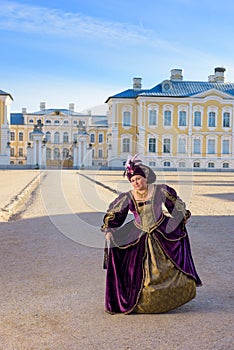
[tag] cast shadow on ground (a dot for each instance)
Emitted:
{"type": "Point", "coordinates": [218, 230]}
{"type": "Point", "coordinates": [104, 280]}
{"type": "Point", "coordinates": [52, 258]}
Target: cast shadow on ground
{"type": "Point", "coordinates": [212, 251]}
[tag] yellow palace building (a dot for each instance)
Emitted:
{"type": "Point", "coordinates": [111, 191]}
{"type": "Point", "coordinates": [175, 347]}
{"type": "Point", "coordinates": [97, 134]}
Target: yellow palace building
{"type": "Point", "coordinates": [176, 124]}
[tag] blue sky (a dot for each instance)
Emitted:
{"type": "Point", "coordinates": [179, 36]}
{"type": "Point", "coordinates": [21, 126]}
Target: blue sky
{"type": "Point", "coordinates": [82, 52]}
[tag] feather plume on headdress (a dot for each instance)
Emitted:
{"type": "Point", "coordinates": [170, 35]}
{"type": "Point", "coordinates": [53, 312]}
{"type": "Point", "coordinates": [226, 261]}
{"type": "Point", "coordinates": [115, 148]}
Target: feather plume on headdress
{"type": "Point", "coordinates": [131, 163]}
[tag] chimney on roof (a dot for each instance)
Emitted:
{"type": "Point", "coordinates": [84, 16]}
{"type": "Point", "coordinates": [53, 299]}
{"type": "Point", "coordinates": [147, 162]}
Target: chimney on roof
{"type": "Point", "coordinates": [42, 106]}
{"type": "Point", "coordinates": [218, 77]}
{"type": "Point", "coordinates": [24, 110]}
{"type": "Point", "coordinates": [176, 74]}
{"type": "Point", "coordinates": [137, 83]}
{"type": "Point", "coordinates": [71, 107]}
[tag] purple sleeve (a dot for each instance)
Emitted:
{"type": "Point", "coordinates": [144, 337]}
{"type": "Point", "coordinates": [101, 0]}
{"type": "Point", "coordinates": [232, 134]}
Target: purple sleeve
{"type": "Point", "coordinates": [116, 213]}
{"type": "Point", "coordinates": [175, 206]}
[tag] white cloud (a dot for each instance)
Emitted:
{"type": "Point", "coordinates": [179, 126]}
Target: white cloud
{"type": "Point", "coordinates": [33, 19]}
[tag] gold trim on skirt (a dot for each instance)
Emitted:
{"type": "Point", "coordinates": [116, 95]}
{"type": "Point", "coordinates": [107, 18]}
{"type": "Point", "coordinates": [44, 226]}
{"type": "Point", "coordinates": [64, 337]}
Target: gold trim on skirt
{"type": "Point", "coordinates": [164, 286]}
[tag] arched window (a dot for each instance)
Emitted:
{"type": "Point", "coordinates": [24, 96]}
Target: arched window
{"type": "Point", "coordinates": [126, 145]}
{"type": "Point", "coordinates": [197, 118]}
{"type": "Point", "coordinates": [166, 146]}
{"type": "Point", "coordinates": [167, 118]}
{"type": "Point", "coordinates": [152, 145]}
{"type": "Point", "coordinates": [56, 137]}
{"type": "Point", "coordinates": [181, 164]}
{"type": "Point", "coordinates": [167, 164]}
{"type": "Point", "coordinates": [152, 117]}
{"type": "Point", "coordinates": [92, 138]}
{"type": "Point", "coordinates": [196, 146]}
{"type": "Point", "coordinates": [48, 153]}
{"type": "Point", "coordinates": [65, 137]}
{"type": "Point", "coordinates": [226, 165]}
{"type": "Point", "coordinates": [226, 120]}
{"type": "Point", "coordinates": [182, 145]}
{"type": "Point", "coordinates": [48, 136]}
{"type": "Point", "coordinates": [126, 118]}
{"type": "Point", "coordinates": [211, 120]}
{"type": "Point", "coordinates": [211, 165]}
{"type": "Point", "coordinates": [56, 153]}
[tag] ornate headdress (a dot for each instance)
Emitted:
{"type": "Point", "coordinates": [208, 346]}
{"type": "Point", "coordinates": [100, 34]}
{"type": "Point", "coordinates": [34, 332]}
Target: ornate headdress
{"type": "Point", "coordinates": [134, 166]}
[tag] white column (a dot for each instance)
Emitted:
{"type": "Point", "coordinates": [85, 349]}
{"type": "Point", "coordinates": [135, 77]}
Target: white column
{"type": "Point", "coordinates": [75, 156]}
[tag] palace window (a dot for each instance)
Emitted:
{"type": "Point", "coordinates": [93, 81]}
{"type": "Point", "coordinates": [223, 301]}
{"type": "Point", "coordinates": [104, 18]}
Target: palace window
{"type": "Point", "coordinates": [126, 118]}
{"type": "Point", "coordinates": [225, 165]}
{"type": "Point", "coordinates": [152, 117]}
{"type": "Point", "coordinates": [211, 147]}
{"type": "Point", "coordinates": [211, 165]}
{"type": "Point", "coordinates": [65, 137]}
{"type": "Point", "coordinates": [152, 145]}
{"type": "Point", "coordinates": [181, 164]}
{"type": "Point", "coordinates": [100, 138]}
{"type": "Point", "coordinates": [197, 119]}
{"type": "Point", "coordinates": [48, 121]}
{"type": "Point", "coordinates": [48, 153]}
{"type": "Point", "coordinates": [12, 136]}
{"type": "Point", "coordinates": [12, 152]}
{"type": "Point", "coordinates": [48, 136]}
{"type": "Point", "coordinates": [225, 147]}
{"type": "Point", "coordinates": [56, 153]}
{"type": "Point", "coordinates": [92, 138]}
{"type": "Point", "coordinates": [166, 146]}
{"type": "Point", "coordinates": [126, 145]}
{"type": "Point", "coordinates": [182, 145]}
{"type": "Point", "coordinates": [21, 136]}
{"type": "Point", "coordinates": [100, 153]}
{"type": "Point", "coordinates": [211, 120]}
{"type": "Point", "coordinates": [152, 164]}
{"type": "Point", "coordinates": [196, 146]}
{"type": "Point", "coordinates": [56, 137]}
{"type": "Point", "coordinates": [196, 165]}
{"type": "Point", "coordinates": [56, 122]}
{"type": "Point", "coordinates": [182, 118]}
{"type": "Point", "coordinates": [167, 164]}
{"type": "Point", "coordinates": [226, 120]}
{"type": "Point", "coordinates": [21, 151]}
{"type": "Point", "coordinates": [167, 118]}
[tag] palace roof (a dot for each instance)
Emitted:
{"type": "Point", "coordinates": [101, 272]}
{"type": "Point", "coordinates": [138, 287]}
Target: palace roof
{"type": "Point", "coordinates": [17, 119]}
{"type": "Point", "coordinates": [177, 89]}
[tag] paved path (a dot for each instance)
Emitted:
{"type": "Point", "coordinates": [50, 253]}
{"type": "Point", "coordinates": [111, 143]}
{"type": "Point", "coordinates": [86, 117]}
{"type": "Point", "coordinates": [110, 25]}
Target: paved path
{"type": "Point", "coordinates": [52, 282]}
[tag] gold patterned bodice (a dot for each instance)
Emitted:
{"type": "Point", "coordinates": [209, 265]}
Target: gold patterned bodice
{"type": "Point", "coordinates": [146, 214]}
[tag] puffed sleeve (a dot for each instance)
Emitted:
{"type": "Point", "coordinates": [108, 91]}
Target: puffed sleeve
{"type": "Point", "coordinates": [116, 213]}
{"type": "Point", "coordinates": [175, 206]}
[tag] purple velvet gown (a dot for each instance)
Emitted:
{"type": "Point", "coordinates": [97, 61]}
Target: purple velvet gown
{"type": "Point", "coordinates": [150, 268]}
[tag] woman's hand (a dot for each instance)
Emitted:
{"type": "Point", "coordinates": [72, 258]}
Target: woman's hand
{"type": "Point", "coordinates": [108, 235]}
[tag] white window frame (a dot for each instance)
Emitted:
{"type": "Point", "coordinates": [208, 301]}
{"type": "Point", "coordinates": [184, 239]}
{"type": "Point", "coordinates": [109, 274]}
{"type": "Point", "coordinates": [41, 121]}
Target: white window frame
{"type": "Point", "coordinates": [127, 109]}
{"type": "Point", "coordinates": [225, 138]}
{"type": "Point", "coordinates": [195, 138]}
{"type": "Point", "coordinates": [212, 109]}
{"type": "Point", "coordinates": [184, 139]}
{"type": "Point", "coordinates": [183, 109]}
{"type": "Point", "coordinates": [101, 134]}
{"type": "Point", "coordinates": [126, 136]}
{"type": "Point", "coordinates": [227, 110]}
{"type": "Point", "coordinates": [153, 108]}
{"type": "Point", "coordinates": [165, 109]}
{"type": "Point", "coordinates": [214, 139]}
{"type": "Point", "coordinates": [165, 137]}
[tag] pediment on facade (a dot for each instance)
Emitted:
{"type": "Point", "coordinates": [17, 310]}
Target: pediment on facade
{"type": "Point", "coordinates": [214, 93]}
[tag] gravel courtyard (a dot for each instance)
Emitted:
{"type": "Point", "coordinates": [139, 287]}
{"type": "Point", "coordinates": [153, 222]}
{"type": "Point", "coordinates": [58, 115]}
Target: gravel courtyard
{"type": "Point", "coordinates": [52, 281]}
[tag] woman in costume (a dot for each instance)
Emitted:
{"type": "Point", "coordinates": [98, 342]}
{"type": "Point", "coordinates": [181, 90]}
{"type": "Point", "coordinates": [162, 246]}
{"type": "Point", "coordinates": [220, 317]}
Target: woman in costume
{"type": "Point", "coordinates": [149, 265]}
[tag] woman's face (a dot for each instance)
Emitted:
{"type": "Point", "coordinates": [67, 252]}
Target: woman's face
{"type": "Point", "coordinates": [139, 182]}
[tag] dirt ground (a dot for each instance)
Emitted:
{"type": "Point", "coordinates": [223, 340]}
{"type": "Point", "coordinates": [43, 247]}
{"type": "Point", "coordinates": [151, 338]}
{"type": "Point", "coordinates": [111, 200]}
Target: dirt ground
{"type": "Point", "coordinates": [52, 281]}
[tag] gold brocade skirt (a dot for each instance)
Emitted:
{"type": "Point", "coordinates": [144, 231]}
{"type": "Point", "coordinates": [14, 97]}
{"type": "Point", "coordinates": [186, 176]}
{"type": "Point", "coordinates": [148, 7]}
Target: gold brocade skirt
{"type": "Point", "coordinates": [165, 287]}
